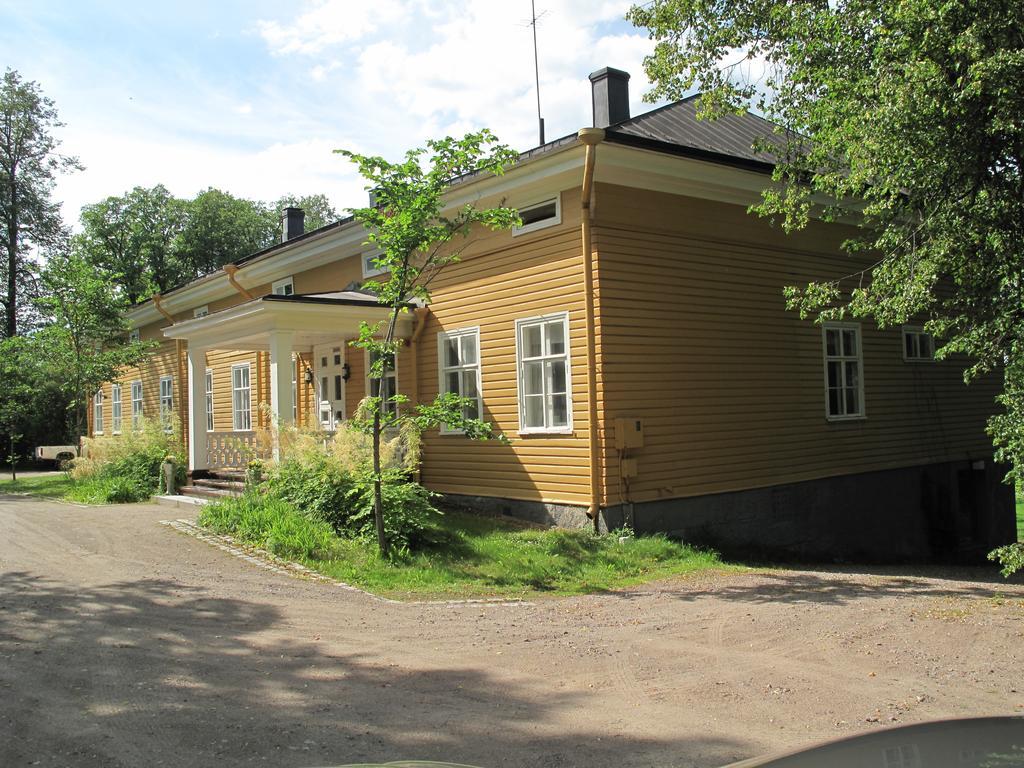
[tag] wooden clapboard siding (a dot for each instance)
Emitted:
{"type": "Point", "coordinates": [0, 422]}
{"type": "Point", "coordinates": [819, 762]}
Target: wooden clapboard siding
{"type": "Point", "coordinates": [694, 338]}
{"type": "Point", "coordinates": [221, 362]}
{"type": "Point", "coordinates": [500, 279]}
{"type": "Point", "coordinates": [163, 361]}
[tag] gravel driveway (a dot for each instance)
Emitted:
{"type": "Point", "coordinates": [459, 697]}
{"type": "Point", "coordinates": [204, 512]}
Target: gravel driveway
{"type": "Point", "coordinates": [126, 643]}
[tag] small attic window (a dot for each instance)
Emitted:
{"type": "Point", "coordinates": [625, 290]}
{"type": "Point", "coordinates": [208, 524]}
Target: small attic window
{"type": "Point", "coordinates": [202, 311]}
{"type": "Point", "coordinates": [370, 268]}
{"type": "Point", "coordinates": [133, 335]}
{"type": "Point", "coordinates": [283, 287]}
{"type": "Point", "coordinates": [539, 215]}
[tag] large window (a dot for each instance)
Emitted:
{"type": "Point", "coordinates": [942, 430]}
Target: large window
{"type": "Point", "coordinates": [844, 382]}
{"type": "Point", "coordinates": [97, 412]}
{"type": "Point", "coordinates": [136, 404]}
{"type": "Point", "coordinates": [115, 408]}
{"type": "Point", "coordinates": [240, 398]}
{"type": "Point", "coordinates": [542, 351]}
{"type": "Point", "coordinates": [209, 400]}
{"type": "Point", "coordinates": [166, 401]}
{"type": "Point", "coordinates": [389, 381]}
{"type": "Point", "coordinates": [918, 346]}
{"type": "Point", "coordinates": [459, 363]}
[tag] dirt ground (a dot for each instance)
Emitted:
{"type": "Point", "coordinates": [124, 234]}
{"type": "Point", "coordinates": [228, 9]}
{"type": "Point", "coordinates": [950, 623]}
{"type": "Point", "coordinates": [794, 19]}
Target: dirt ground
{"type": "Point", "coordinates": [126, 643]}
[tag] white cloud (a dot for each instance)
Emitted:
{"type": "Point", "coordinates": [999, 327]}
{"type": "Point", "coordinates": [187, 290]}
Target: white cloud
{"type": "Point", "coordinates": [116, 163]}
{"type": "Point", "coordinates": [329, 23]}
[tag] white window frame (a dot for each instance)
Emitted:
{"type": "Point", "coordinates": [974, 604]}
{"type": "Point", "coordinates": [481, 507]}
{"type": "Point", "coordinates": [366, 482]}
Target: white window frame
{"type": "Point", "coordinates": [916, 332]}
{"type": "Point", "coordinates": [390, 375]}
{"type": "Point", "coordinates": [241, 417]}
{"type": "Point", "coordinates": [137, 412]}
{"type": "Point", "coordinates": [858, 358]}
{"type": "Point", "coordinates": [202, 311]}
{"type": "Point", "coordinates": [543, 223]}
{"type": "Point", "coordinates": [209, 400]}
{"type": "Point", "coordinates": [133, 335]}
{"type": "Point", "coordinates": [368, 269]}
{"type": "Point", "coordinates": [283, 287]}
{"type": "Point", "coordinates": [444, 369]}
{"type": "Point", "coordinates": [115, 408]}
{"type": "Point", "coordinates": [97, 412]}
{"type": "Point", "coordinates": [167, 402]}
{"type": "Point", "coordinates": [522, 323]}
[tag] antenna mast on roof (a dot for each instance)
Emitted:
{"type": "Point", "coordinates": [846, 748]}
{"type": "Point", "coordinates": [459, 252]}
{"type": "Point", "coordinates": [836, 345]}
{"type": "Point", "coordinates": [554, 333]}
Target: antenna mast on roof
{"type": "Point", "coordinates": [536, 66]}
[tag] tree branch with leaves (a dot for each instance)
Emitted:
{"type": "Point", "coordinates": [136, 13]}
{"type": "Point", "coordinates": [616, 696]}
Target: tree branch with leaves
{"type": "Point", "coordinates": [417, 236]}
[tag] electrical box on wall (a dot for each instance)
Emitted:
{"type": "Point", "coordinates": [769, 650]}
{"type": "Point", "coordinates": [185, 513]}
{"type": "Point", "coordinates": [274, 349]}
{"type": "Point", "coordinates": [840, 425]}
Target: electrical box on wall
{"type": "Point", "coordinates": [629, 433]}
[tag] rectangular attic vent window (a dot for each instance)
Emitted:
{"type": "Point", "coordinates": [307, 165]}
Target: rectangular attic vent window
{"type": "Point", "coordinates": [540, 215]}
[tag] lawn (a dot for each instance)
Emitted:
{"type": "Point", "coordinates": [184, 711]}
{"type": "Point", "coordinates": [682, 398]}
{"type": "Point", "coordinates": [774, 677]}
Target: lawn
{"type": "Point", "coordinates": [469, 556]}
{"type": "Point", "coordinates": [55, 486]}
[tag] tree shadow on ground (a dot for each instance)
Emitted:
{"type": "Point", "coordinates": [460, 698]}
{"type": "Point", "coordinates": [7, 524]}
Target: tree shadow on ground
{"type": "Point", "coordinates": [156, 672]}
{"type": "Point", "coordinates": [838, 586]}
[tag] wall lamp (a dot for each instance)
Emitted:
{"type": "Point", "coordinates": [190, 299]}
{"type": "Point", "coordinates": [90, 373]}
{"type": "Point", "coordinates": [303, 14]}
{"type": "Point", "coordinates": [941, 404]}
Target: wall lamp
{"type": "Point", "coordinates": [346, 372]}
{"type": "Point", "coordinates": [308, 376]}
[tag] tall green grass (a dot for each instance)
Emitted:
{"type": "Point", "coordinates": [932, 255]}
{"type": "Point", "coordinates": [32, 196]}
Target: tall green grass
{"type": "Point", "coordinates": [466, 555]}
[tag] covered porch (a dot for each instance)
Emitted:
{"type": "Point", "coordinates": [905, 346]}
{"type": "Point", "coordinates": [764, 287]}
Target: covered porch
{"type": "Point", "coordinates": [314, 327]}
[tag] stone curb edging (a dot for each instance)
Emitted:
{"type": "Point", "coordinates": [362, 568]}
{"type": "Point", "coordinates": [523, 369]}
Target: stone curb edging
{"type": "Point", "coordinates": [261, 558]}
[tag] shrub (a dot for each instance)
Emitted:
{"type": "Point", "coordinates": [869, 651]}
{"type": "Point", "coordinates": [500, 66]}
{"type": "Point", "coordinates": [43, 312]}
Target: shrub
{"type": "Point", "coordinates": [407, 509]}
{"type": "Point", "coordinates": [330, 480]}
{"type": "Point", "coordinates": [126, 468]}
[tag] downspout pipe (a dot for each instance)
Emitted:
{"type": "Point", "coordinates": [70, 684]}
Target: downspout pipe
{"type": "Point", "coordinates": [231, 270]}
{"type": "Point", "coordinates": [422, 315]}
{"type": "Point", "coordinates": [590, 138]}
{"type": "Point", "coordinates": [179, 353]}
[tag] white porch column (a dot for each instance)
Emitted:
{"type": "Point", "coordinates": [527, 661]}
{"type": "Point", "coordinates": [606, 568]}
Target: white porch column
{"type": "Point", "coordinates": [281, 378]}
{"type": "Point", "coordinates": [196, 408]}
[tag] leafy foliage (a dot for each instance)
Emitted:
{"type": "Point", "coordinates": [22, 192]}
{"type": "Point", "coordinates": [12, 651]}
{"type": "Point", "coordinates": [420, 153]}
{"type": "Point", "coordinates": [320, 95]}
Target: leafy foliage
{"type": "Point", "coordinates": [332, 481]}
{"type": "Point", "coordinates": [1010, 557]}
{"type": "Point", "coordinates": [153, 241]}
{"type": "Point", "coordinates": [414, 234]}
{"type": "Point", "coordinates": [126, 468]}
{"type": "Point", "coordinates": [29, 164]}
{"type": "Point", "coordinates": [85, 341]}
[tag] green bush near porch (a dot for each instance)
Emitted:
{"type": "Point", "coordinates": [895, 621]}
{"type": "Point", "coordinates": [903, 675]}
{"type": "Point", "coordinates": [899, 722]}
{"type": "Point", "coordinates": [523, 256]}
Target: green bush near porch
{"type": "Point", "coordinates": [122, 469]}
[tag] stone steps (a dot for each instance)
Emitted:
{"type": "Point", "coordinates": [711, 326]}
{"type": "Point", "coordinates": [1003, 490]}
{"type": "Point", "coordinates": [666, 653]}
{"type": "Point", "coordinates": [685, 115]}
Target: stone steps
{"type": "Point", "coordinates": [222, 484]}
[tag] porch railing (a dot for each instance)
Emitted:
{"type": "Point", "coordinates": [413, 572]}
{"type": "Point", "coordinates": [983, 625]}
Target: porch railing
{"type": "Point", "coordinates": [230, 449]}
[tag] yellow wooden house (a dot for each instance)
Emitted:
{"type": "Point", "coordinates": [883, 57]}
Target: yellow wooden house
{"type": "Point", "coordinates": [631, 340]}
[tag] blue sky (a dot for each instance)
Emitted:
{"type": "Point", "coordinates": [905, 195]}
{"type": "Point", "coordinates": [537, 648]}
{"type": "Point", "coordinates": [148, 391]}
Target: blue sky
{"type": "Point", "coordinates": [252, 96]}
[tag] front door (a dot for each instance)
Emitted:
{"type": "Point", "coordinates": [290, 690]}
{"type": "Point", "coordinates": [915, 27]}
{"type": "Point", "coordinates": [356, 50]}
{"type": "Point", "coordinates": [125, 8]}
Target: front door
{"type": "Point", "coordinates": [330, 384]}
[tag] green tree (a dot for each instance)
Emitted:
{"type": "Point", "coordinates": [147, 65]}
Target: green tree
{"type": "Point", "coordinates": [134, 236]}
{"type": "Point", "coordinates": [907, 114]}
{"type": "Point", "coordinates": [84, 342]}
{"type": "Point", "coordinates": [219, 229]}
{"type": "Point", "coordinates": [29, 163]}
{"type": "Point", "coordinates": [19, 377]}
{"type": "Point", "coordinates": [415, 234]}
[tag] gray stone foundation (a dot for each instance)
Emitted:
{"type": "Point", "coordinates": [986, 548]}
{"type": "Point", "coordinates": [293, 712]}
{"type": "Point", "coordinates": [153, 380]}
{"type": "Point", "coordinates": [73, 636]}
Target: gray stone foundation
{"type": "Point", "coordinates": [953, 512]}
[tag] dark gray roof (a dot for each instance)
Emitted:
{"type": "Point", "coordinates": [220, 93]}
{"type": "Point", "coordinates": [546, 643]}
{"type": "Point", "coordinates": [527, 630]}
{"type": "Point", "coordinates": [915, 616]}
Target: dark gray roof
{"type": "Point", "coordinates": [727, 139]}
